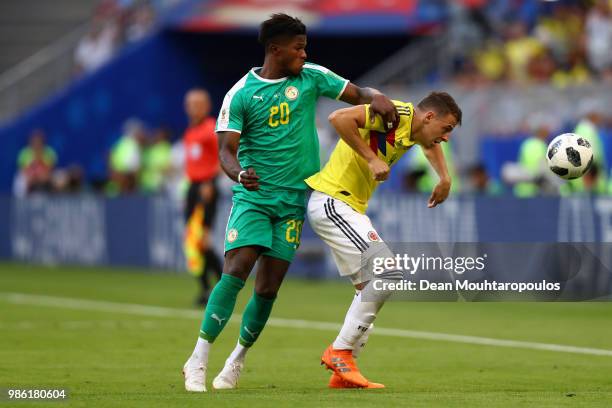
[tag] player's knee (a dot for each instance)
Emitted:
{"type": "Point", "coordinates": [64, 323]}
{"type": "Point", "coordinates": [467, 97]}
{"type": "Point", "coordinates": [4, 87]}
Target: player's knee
{"type": "Point", "coordinates": [266, 292]}
{"type": "Point", "coordinates": [238, 269]}
{"type": "Point", "coordinates": [240, 261]}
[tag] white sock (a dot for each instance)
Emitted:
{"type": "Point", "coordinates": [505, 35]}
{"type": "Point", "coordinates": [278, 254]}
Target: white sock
{"type": "Point", "coordinates": [362, 341]}
{"type": "Point", "coordinates": [358, 319]}
{"type": "Point", "coordinates": [200, 353]}
{"type": "Point", "coordinates": [238, 354]}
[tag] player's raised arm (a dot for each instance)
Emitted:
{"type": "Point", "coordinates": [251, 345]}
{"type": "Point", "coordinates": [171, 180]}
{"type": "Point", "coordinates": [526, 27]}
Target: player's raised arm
{"type": "Point", "coordinates": [228, 156]}
{"type": "Point", "coordinates": [347, 122]}
{"type": "Point", "coordinates": [435, 156]}
{"type": "Point", "coordinates": [379, 103]}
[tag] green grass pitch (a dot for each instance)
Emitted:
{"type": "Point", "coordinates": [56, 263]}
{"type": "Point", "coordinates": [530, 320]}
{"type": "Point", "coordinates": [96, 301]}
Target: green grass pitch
{"type": "Point", "coordinates": [110, 355]}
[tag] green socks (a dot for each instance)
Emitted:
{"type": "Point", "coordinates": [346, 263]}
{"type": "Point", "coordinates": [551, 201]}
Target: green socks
{"type": "Point", "coordinates": [220, 306]}
{"type": "Point", "coordinates": [254, 319]}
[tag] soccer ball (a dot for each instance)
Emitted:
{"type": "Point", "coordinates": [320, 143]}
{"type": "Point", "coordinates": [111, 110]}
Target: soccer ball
{"type": "Point", "coordinates": [569, 156]}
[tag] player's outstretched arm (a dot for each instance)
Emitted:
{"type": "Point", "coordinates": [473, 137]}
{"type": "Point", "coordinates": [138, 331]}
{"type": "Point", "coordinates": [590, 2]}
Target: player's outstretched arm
{"type": "Point", "coordinates": [347, 123]}
{"type": "Point", "coordinates": [228, 156]}
{"type": "Point", "coordinates": [435, 156]}
{"type": "Point", "coordinates": [379, 103]}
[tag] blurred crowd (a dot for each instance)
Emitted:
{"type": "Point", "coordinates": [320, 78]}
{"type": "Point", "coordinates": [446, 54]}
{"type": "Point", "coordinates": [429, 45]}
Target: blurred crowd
{"type": "Point", "coordinates": [114, 23]}
{"type": "Point", "coordinates": [527, 174]}
{"type": "Point", "coordinates": [37, 170]}
{"type": "Point", "coordinates": [153, 161]}
{"type": "Point", "coordinates": [141, 160]}
{"type": "Point", "coordinates": [563, 42]}
{"type": "Point", "coordinates": [558, 42]}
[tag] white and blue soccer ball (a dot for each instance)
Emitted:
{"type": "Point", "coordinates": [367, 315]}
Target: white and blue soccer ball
{"type": "Point", "coordinates": [569, 156]}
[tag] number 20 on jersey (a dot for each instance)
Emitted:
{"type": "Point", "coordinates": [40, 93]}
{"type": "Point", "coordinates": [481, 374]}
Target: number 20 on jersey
{"type": "Point", "coordinates": [279, 115]}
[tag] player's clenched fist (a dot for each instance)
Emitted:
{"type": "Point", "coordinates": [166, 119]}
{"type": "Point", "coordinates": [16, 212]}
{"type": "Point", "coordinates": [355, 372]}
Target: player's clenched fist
{"type": "Point", "coordinates": [379, 169]}
{"type": "Point", "coordinates": [249, 179]}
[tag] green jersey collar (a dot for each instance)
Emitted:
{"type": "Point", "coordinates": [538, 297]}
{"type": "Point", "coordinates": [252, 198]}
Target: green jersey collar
{"type": "Point", "coordinates": [270, 81]}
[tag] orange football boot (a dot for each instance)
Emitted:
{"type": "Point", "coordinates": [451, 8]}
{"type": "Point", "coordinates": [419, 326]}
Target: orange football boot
{"type": "Point", "coordinates": [336, 382]}
{"type": "Point", "coordinates": [341, 362]}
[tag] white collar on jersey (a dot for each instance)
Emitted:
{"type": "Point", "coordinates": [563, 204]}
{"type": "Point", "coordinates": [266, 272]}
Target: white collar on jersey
{"type": "Point", "coordinates": [270, 81]}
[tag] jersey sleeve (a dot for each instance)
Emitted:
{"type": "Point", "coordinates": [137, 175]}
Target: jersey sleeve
{"type": "Point", "coordinates": [329, 84]}
{"type": "Point", "coordinates": [232, 113]}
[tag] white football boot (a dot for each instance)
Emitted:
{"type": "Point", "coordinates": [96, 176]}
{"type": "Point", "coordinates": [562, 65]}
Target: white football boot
{"type": "Point", "coordinates": [195, 376]}
{"type": "Point", "coordinates": [228, 377]}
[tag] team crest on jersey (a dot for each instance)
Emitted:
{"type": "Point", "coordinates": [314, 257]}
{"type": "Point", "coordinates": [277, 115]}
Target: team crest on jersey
{"type": "Point", "coordinates": [232, 235]}
{"type": "Point", "coordinates": [373, 236]}
{"type": "Point", "coordinates": [291, 92]}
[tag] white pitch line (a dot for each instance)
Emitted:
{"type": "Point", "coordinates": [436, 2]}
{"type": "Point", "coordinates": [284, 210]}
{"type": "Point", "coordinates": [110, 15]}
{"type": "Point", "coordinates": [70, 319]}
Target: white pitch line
{"type": "Point", "coordinates": [158, 311]}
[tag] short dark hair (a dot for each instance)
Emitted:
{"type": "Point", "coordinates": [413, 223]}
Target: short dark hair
{"type": "Point", "coordinates": [280, 25]}
{"type": "Point", "coordinates": [442, 103]}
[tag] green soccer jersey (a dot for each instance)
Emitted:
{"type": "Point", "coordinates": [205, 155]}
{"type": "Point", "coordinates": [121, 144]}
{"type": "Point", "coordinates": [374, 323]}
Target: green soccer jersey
{"type": "Point", "coordinates": [276, 122]}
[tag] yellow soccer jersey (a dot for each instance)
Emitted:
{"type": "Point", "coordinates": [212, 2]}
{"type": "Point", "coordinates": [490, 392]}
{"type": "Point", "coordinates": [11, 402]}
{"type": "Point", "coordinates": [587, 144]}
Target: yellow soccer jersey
{"type": "Point", "coordinates": [346, 175]}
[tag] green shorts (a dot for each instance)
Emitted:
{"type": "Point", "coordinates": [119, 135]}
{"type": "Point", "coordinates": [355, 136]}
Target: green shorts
{"type": "Point", "coordinates": [270, 219]}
